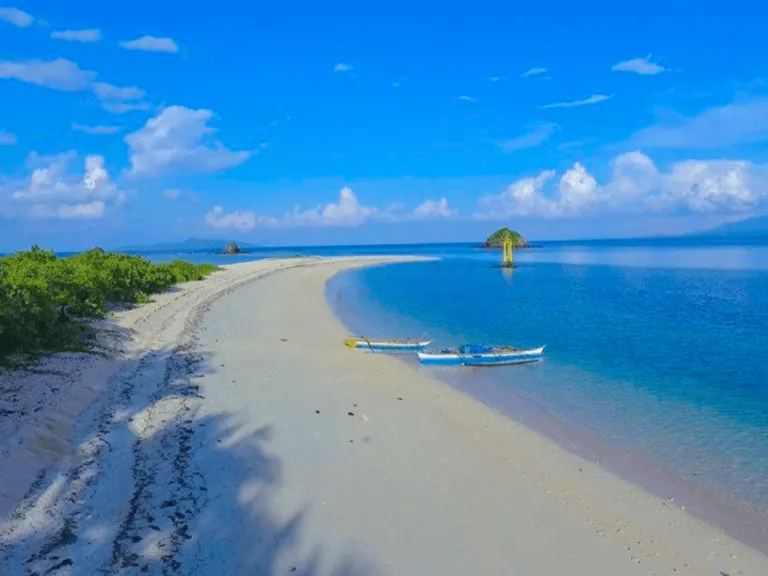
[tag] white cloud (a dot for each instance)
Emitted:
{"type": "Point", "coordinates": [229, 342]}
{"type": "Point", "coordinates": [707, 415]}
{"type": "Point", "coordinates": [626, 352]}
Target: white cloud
{"type": "Point", "coordinates": [465, 98]}
{"type": "Point", "coordinates": [533, 72]}
{"type": "Point", "coordinates": [93, 209]}
{"type": "Point", "coordinates": [96, 130]}
{"type": "Point", "coordinates": [53, 191]}
{"type": "Point", "coordinates": [91, 35]}
{"type": "Point", "coordinates": [578, 190]}
{"type": "Point", "coordinates": [123, 107]}
{"type": "Point", "coordinates": [243, 221]}
{"type": "Point", "coordinates": [433, 209]}
{"type": "Point", "coordinates": [636, 186]}
{"type": "Point", "coordinates": [642, 66]}
{"type": "Point", "coordinates": [342, 67]}
{"type": "Point", "coordinates": [8, 138]}
{"type": "Point", "coordinates": [179, 138]}
{"type": "Point", "coordinates": [716, 127]}
{"type": "Point", "coordinates": [537, 135]}
{"type": "Point", "coordinates": [711, 186]}
{"type": "Point", "coordinates": [594, 99]}
{"type": "Point", "coordinates": [347, 212]}
{"type": "Point", "coordinates": [59, 74]}
{"type": "Point", "coordinates": [16, 17]}
{"type": "Point", "coordinates": [62, 74]}
{"type": "Point", "coordinates": [106, 91]}
{"type": "Point", "coordinates": [521, 198]}
{"type": "Point", "coordinates": [151, 44]}
{"type": "Point", "coordinates": [497, 78]}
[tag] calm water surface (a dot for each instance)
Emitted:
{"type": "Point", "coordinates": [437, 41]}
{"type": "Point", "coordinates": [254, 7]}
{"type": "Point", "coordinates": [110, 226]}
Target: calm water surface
{"type": "Point", "coordinates": [656, 350]}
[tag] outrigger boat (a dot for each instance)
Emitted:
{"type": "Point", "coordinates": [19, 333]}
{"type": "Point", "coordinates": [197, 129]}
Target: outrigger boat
{"type": "Point", "coordinates": [472, 355]}
{"type": "Point", "coordinates": [388, 345]}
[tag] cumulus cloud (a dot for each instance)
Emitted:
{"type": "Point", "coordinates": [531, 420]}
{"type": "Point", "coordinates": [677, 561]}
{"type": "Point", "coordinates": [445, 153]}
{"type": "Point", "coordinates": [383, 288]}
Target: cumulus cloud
{"type": "Point", "coordinates": [151, 44]}
{"type": "Point", "coordinates": [96, 130]}
{"type": "Point", "coordinates": [346, 212]}
{"type": "Point", "coordinates": [642, 66]}
{"type": "Point", "coordinates": [342, 67]}
{"type": "Point", "coordinates": [16, 17]}
{"type": "Point", "coordinates": [636, 185]}
{"type": "Point", "coordinates": [538, 134]}
{"type": "Point", "coordinates": [533, 72]}
{"type": "Point", "coordinates": [711, 186]}
{"type": "Point", "coordinates": [243, 221]}
{"type": "Point", "coordinates": [8, 138]}
{"type": "Point", "coordinates": [521, 198]}
{"type": "Point", "coordinates": [716, 127]}
{"type": "Point", "coordinates": [433, 210]}
{"type": "Point", "coordinates": [594, 99]}
{"type": "Point", "coordinates": [178, 139]}
{"type": "Point", "coordinates": [54, 191]}
{"type": "Point", "coordinates": [90, 35]}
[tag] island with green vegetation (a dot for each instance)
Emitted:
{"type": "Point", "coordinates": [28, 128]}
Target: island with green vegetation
{"type": "Point", "coordinates": [495, 239]}
{"type": "Point", "coordinates": [46, 301]}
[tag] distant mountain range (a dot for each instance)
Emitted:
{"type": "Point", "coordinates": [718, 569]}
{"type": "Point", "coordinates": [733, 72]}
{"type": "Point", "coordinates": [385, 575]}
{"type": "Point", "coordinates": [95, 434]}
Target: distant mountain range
{"type": "Point", "coordinates": [756, 227]}
{"type": "Point", "coordinates": [190, 245]}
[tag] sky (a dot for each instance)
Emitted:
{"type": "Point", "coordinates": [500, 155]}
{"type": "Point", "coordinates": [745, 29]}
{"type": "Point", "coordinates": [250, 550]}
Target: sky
{"type": "Point", "coordinates": [342, 123]}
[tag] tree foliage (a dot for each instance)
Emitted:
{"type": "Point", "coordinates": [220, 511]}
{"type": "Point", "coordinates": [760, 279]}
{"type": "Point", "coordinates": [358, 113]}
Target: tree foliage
{"type": "Point", "coordinates": [45, 301]}
{"type": "Point", "coordinates": [495, 239]}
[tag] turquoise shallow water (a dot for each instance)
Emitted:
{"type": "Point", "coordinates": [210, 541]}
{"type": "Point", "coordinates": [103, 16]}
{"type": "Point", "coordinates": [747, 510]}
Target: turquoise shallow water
{"type": "Point", "coordinates": [657, 351]}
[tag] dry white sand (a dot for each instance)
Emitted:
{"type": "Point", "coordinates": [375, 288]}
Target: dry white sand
{"type": "Point", "coordinates": [249, 440]}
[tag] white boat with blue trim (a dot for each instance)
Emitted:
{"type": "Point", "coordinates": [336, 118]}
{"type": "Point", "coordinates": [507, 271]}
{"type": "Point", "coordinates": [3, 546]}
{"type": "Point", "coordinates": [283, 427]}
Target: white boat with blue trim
{"type": "Point", "coordinates": [392, 345]}
{"type": "Point", "coordinates": [473, 355]}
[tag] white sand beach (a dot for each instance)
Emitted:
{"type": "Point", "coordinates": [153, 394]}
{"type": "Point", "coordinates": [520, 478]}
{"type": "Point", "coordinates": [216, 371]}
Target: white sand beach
{"type": "Point", "coordinates": [228, 430]}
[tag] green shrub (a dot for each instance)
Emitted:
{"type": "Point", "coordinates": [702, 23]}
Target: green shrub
{"type": "Point", "coordinates": [45, 301]}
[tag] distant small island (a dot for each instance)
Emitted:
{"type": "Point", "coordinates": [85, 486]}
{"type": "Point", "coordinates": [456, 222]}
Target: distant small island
{"type": "Point", "coordinates": [232, 248]}
{"type": "Point", "coordinates": [495, 239]}
{"type": "Point", "coordinates": [189, 245]}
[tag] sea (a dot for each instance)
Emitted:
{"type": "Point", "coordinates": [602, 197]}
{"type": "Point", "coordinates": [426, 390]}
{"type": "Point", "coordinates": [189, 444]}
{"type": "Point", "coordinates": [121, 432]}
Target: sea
{"type": "Point", "coordinates": [656, 364]}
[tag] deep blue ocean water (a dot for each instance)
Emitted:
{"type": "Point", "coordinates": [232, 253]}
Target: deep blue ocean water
{"type": "Point", "coordinates": [656, 349]}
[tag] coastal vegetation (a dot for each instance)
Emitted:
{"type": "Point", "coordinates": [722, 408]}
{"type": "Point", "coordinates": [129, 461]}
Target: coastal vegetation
{"type": "Point", "coordinates": [495, 239]}
{"type": "Point", "coordinates": [46, 301]}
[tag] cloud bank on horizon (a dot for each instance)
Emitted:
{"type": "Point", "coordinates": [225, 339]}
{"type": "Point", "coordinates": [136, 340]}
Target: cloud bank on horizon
{"type": "Point", "coordinates": [142, 134]}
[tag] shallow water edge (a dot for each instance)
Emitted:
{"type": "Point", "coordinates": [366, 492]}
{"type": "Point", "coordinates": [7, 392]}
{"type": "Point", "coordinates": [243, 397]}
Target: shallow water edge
{"type": "Point", "coordinates": [735, 517]}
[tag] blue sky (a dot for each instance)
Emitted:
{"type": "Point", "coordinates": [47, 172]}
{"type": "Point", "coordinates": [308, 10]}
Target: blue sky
{"type": "Point", "coordinates": [346, 123]}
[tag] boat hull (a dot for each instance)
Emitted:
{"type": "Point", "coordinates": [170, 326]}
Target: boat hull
{"type": "Point", "coordinates": [482, 359]}
{"type": "Point", "coordinates": [391, 346]}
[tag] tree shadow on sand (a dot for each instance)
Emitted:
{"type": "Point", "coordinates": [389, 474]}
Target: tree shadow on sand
{"type": "Point", "coordinates": [157, 487]}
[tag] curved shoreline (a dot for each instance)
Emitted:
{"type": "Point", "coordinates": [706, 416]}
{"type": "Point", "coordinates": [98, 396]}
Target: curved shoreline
{"type": "Point", "coordinates": [735, 517]}
{"type": "Point", "coordinates": [238, 435]}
